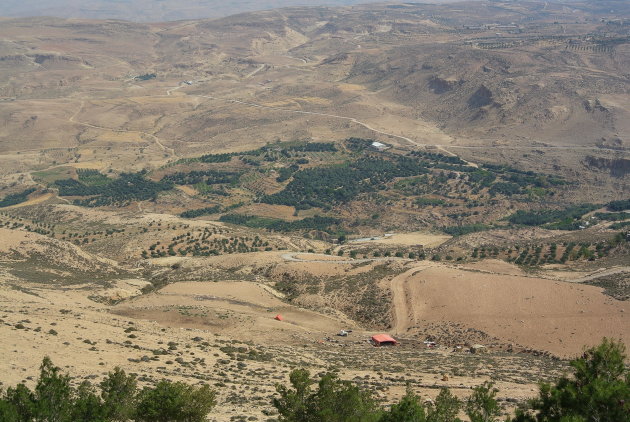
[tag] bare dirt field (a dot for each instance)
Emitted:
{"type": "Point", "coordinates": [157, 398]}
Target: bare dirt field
{"type": "Point", "coordinates": [200, 332]}
{"type": "Point", "coordinates": [406, 239]}
{"type": "Point", "coordinates": [538, 313]}
{"type": "Point", "coordinates": [225, 307]}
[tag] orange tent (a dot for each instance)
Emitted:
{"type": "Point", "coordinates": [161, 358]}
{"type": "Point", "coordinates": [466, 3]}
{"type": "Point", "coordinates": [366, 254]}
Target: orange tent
{"type": "Point", "coordinates": [383, 340]}
{"type": "Point", "coordinates": [279, 318]}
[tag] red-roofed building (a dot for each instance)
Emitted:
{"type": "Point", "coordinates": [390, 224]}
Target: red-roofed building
{"type": "Point", "coordinates": [383, 340]}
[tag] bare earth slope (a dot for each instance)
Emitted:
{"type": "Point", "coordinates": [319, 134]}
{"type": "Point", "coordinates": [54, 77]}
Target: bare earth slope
{"type": "Point", "coordinates": [212, 319]}
{"type": "Point", "coordinates": [148, 11]}
{"type": "Point", "coordinates": [523, 78]}
{"type": "Point", "coordinates": [543, 314]}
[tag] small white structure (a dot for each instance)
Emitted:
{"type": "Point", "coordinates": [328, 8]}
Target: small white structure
{"type": "Point", "coordinates": [379, 146]}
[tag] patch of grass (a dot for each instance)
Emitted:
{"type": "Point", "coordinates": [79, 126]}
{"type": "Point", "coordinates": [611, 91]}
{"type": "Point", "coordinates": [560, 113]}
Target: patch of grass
{"type": "Point", "coordinates": [90, 177]}
{"type": "Point", "coordinates": [52, 175]}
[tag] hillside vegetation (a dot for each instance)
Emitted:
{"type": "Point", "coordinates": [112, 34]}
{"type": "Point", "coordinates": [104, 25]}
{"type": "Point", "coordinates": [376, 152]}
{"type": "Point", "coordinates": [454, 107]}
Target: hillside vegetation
{"type": "Point", "coordinates": [598, 390]}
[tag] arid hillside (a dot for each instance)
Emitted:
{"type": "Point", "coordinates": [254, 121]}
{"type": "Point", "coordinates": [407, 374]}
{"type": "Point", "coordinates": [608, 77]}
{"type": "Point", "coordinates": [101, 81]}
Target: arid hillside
{"type": "Point", "coordinates": [547, 84]}
{"type": "Point", "coordinates": [148, 11]}
{"type": "Point", "coordinates": [213, 319]}
{"type": "Point", "coordinates": [215, 200]}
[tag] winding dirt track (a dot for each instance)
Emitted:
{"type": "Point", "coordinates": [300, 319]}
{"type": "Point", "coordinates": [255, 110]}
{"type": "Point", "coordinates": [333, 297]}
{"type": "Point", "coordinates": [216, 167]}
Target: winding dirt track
{"type": "Point", "coordinates": [610, 271]}
{"type": "Point", "coordinates": [292, 257]}
{"type": "Point", "coordinates": [403, 315]}
{"type": "Point", "coordinates": [157, 141]}
{"type": "Point", "coordinates": [313, 113]}
{"type": "Point", "coordinates": [440, 147]}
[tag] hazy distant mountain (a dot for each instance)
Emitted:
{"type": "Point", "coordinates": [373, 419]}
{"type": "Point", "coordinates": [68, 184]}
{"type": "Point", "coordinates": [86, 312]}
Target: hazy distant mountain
{"type": "Point", "coordinates": [150, 10]}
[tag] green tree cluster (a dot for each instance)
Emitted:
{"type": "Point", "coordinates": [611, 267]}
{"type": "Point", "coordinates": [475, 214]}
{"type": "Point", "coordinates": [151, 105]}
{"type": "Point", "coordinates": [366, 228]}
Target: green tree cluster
{"type": "Point", "coordinates": [336, 400]}
{"type": "Point", "coordinates": [313, 147]}
{"type": "Point", "coordinates": [621, 205]}
{"type": "Point", "coordinates": [201, 211]}
{"type": "Point", "coordinates": [465, 229]}
{"type": "Point", "coordinates": [325, 186]}
{"type": "Point", "coordinates": [597, 391]}
{"type": "Point", "coordinates": [118, 398]}
{"type": "Point", "coordinates": [16, 198]}
{"type": "Point", "coordinates": [209, 177]}
{"type": "Point", "coordinates": [561, 219]}
{"type": "Point", "coordinates": [128, 187]}
{"type": "Point", "coordinates": [309, 223]}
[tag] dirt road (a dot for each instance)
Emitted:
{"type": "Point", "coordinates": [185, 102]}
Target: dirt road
{"type": "Point", "coordinates": [403, 315]}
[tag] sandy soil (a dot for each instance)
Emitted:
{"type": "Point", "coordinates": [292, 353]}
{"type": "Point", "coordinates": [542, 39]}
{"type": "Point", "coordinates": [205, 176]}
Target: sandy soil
{"type": "Point", "coordinates": [33, 201]}
{"type": "Point", "coordinates": [539, 313]}
{"type": "Point", "coordinates": [188, 190]}
{"type": "Point", "coordinates": [494, 266]}
{"type": "Point", "coordinates": [316, 257]}
{"type": "Point", "coordinates": [224, 261]}
{"type": "Point", "coordinates": [85, 339]}
{"type": "Point", "coordinates": [228, 307]}
{"type": "Point", "coordinates": [99, 117]}
{"type": "Point", "coordinates": [427, 240]}
{"type": "Point", "coordinates": [553, 271]}
{"type": "Point", "coordinates": [189, 330]}
{"type": "Point", "coordinates": [10, 239]}
{"type": "Point", "coordinates": [272, 211]}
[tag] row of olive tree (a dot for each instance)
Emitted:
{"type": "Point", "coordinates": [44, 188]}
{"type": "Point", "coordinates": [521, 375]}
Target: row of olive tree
{"type": "Point", "coordinates": [597, 391]}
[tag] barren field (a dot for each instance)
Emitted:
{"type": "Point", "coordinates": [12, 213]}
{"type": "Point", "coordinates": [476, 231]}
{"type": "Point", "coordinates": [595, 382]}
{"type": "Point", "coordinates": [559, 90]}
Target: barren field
{"type": "Point", "coordinates": [220, 328]}
{"type": "Point", "coordinates": [216, 93]}
{"type": "Point", "coordinates": [542, 314]}
{"type": "Point", "coordinates": [406, 239]}
{"type": "Point", "coordinates": [79, 336]}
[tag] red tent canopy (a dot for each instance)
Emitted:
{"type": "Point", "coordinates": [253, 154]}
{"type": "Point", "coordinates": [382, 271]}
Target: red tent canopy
{"type": "Point", "coordinates": [382, 339]}
{"type": "Point", "coordinates": [279, 317]}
